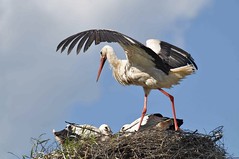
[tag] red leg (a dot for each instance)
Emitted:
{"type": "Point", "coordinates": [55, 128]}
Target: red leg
{"type": "Point", "coordinates": [144, 109]}
{"type": "Point", "coordinates": [174, 112]}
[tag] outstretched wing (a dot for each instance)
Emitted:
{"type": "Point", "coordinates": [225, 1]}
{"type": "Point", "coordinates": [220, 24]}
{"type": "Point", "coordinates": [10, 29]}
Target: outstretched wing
{"type": "Point", "coordinates": [136, 52]}
{"type": "Point", "coordinates": [173, 55]}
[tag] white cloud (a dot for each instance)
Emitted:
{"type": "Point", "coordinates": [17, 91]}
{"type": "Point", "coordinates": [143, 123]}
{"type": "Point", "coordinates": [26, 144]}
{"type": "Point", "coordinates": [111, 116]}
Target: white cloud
{"type": "Point", "coordinates": [35, 81]}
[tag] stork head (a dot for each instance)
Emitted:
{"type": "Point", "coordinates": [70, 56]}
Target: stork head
{"type": "Point", "coordinates": [103, 57]}
{"type": "Point", "coordinates": [105, 130]}
{"type": "Point", "coordinates": [124, 128]}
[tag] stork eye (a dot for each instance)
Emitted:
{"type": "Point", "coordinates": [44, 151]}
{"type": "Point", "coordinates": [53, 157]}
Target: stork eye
{"type": "Point", "coordinates": [101, 52]}
{"type": "Point", "coordinates": [69, 127]}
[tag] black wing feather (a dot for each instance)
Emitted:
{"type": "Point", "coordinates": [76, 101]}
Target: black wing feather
{"type": "Point", "coordinates": [97, 37]}
{"type": "Point", "coordinates": [86, 38]}
{"type": "Point", "coordinates": [60, 45]}
{"type": "Point", "coordinates": [72, 45]}
{"type": "Point", "coordinates": [82, 41]}
{"type": "Point", "coordinates": [175, 56]}
{"type": "Point", "coordinates": [67, 42]}
{"type": "Point", "coordinates": [91, 38]}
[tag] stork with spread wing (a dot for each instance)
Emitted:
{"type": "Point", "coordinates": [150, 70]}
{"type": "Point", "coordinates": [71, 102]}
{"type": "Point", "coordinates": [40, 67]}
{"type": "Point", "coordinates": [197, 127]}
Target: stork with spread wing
{"type": "Point", "coordinates": [154, 66]}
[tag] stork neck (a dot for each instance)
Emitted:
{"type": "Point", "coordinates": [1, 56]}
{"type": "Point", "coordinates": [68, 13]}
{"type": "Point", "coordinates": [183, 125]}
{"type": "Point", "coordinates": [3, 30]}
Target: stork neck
{"type": "Point", "coordinates": [113, 59]}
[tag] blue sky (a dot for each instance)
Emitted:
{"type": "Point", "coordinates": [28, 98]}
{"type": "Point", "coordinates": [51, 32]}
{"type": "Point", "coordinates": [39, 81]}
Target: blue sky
{"type": "Point", "coordinates": [40, 89]}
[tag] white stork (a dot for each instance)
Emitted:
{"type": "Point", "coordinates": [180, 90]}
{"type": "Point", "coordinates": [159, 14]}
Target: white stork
{"type": "Point", "coordinates": [149, 121]}
{"type": "Point", "coordinates": [154, 66]}
{"type": "Point", "coordinates": [75, 131]}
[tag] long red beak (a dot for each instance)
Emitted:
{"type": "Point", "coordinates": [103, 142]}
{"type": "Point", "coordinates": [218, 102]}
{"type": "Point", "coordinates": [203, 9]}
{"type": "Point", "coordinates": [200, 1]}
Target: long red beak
{"type": "Point", "coordinates": [102, 62]}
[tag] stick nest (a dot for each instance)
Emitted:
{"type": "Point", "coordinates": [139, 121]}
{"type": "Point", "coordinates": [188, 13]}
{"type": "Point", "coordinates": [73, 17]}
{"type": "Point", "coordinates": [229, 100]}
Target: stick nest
{"type": "Point", "coordinates": [151, 143]}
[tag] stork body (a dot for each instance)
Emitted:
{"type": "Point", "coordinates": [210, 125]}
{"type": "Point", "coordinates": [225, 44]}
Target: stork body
{"type": "Point", "coordinates": [75, 131]}
{"type": "Point", "coordinates": [147, 77]}
{"type": "Point", "coordinates": [154, 66]}
{"type": "Point", "coordinates": [150, 121]}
